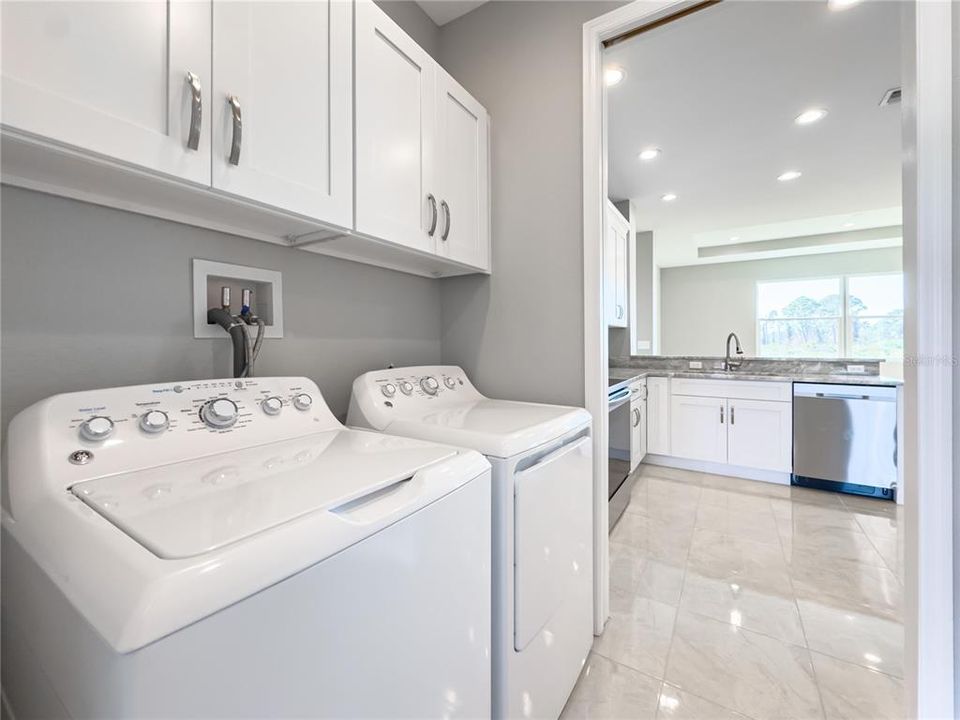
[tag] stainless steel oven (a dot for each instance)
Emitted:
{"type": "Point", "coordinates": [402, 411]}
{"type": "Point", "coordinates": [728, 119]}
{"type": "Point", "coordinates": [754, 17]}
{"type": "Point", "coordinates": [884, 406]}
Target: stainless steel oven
{"type": "Point", "coordinates": [619, 481]}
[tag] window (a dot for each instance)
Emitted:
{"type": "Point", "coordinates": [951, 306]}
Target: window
{"type": "Point", "coordinates": [859, 316]}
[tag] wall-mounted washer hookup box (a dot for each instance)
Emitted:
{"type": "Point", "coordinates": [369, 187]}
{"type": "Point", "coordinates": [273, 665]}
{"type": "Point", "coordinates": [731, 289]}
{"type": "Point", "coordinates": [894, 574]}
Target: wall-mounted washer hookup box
{"type": "Point", "coordinates": [210, 277]}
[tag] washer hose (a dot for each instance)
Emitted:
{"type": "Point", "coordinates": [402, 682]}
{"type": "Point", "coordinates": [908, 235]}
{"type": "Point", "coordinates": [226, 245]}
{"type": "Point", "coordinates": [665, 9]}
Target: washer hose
{"type": "Point", "coordinates": [238, 337]}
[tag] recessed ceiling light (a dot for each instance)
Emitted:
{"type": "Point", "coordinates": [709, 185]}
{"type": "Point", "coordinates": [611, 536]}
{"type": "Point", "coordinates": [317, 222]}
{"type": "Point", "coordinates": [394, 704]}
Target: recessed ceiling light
{"type": "Point", "coordinates": [810, 116]}
{"type": "Point", "coordinates": [789, 175]}
{"type": "Point", "coordinates": [669, 197]}
{"type": "Point", "coordinates": [841, 4]}
{"type": "Point", "coordinates": [613, 76]}
{"type": "Point", "coordinates": [650, 154]}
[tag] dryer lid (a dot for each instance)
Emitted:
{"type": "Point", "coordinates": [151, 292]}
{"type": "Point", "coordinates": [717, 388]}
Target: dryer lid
{"type": "Point", "coordinates": [497, 428]}
{"type": "Point", "coordinates": [189, 508]}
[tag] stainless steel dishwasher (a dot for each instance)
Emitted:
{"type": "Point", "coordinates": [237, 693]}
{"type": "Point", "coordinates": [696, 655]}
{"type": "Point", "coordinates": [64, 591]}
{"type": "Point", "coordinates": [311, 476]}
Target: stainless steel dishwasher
{"type": "Point", "coordinates": [845, 438]}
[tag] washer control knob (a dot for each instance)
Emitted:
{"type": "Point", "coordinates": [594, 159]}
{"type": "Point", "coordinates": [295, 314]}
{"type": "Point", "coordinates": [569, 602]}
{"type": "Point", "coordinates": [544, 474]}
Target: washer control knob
{"type": "Point", "coordinates": [302, 401]}
{"type": "Point", "coordinates": [99, 427]}
{"type": "Point", "coordinates": [450, 382]}
{"type": "Point", "coordinates": [154, 421]}
{"type": "Point", "coordinates": [388, 390]}
{"type": "Point", "coordinates": [272, 405]}
{"type": "Point", "coordinates": [406, 388]}
{"type": "Point", "coordinates": [430, 385]}
{"type": "Point", "coordinates": [219, 413]}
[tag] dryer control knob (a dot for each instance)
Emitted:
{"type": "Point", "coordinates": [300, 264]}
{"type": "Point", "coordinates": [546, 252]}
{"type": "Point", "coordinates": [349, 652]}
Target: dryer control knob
{"type": "Point", "coordinates": [99, 427]}
{"type": "Point", "coordinates": [388, 390]}
{"type": "Point", "coordinates": [430, 385]}
{"type": "Point", "coordinates": [272, 405]}
{"type": "Point", "coordinates": [302, 401]}
{"type": "Point", "coordinates": [219, 413]}
{"type": "Point", "coordinates": [450, 382]}
{"type": "Point", "coordinates": [406, 388]}
{"type": "Point", "coordinates": [154, 421]}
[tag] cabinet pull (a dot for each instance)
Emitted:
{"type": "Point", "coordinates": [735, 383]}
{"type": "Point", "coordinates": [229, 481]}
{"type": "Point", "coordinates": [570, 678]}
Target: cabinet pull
{"type": "Point", "coordinates": [733, 416]}
{"type": "Point", "coordinates": [636, 417]}
{"type": "Point", "coordinates": [433, 214]}
{"type": "Point", "coordinates": [721, 414]}
{"type": "Point", "coordinates": [234, 103]}
{"type": "Point", "coordinates": [446, 215]}
{"type": "Point", "coordinates": [196, 110]}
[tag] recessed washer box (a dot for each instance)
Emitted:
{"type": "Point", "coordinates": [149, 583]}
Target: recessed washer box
{"type": "Point", "coordinates": [209, 277]}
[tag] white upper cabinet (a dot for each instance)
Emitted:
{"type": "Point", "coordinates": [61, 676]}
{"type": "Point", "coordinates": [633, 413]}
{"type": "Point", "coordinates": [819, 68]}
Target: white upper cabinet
{"type": "Point", "coordinates": [397, 194]}
{"type": "Point", "coordinates": [282, 105]}
{"type": "Point", "coordinates": [123, 80]}
{"type": "Point", "coordinates": [462, 158]}
{"type": "Point", "coordinates": [615, 276]}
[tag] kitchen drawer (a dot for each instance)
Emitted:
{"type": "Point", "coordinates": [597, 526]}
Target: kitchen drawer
{"type": "Point", "coordinates": [739, 389]}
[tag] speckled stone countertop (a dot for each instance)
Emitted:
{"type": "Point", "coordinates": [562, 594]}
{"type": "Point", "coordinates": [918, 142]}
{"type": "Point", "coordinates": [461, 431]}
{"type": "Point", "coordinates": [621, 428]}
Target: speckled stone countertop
{"type": "Point", "coordinates": [635, 373]}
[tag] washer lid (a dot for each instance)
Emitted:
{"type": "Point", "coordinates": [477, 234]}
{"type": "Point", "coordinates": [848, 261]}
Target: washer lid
{"type": "Point", "coordinates": [189, 508]}
{"type": "Point", "coordinates": [498, 428]}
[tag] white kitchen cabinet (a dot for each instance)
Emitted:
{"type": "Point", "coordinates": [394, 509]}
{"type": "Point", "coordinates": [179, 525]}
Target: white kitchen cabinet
{"type": "Point", "coordinates": [698, 428]}
{"type": "Point", "coordinates": [119, 80]}
{"type": "Point", "coordinates": [658, 415]}
{"type": "Point", "coordinates": [616, 273]}
{"type": "Point", "coordinates": [638, 431]}
{"type": "Point", "coordinates": [760, 434]}
{"type": "Point", "coordinates": [462, 159]}
{"type": "Point", "coordinates": [281, 102]}
{"type": "Point", "coordinates": [422, 177]}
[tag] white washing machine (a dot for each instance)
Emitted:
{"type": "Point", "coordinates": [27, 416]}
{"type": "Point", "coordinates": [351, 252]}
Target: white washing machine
{"type": "Point", "coordinates": [542, 520]}
{"type": "Point", "coordinates": [228, 549]}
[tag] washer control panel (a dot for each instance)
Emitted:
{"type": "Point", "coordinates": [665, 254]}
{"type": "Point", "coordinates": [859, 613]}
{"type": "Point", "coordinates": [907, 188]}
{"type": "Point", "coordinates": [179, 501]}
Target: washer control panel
{"type": "Point", "coordinates": [122, 429]}
{"type": "Point", "coordinates": [395, 392]}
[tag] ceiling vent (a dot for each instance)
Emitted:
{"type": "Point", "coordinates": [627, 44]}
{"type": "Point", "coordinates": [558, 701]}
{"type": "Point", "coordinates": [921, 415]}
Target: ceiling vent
{"type": "Point", "coordinates": [890, 97]}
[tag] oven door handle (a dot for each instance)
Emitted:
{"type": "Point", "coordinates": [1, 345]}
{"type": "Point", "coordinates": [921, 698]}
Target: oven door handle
{"type": "Point", "coordinates": [618, 398]}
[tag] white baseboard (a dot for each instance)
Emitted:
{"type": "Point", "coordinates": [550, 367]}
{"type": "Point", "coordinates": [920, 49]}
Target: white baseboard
{"type": "Point", "coordinates": [771, 476]}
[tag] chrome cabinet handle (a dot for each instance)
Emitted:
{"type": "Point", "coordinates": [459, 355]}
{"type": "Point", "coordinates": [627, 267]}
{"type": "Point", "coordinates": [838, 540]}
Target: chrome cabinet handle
{"type": "Point", "coordinates": [619, 311]}
{"type": "Point", "coordinates": [433, 216]}
{"type": "Point", "coordinates": [636, 417]}
{"type": "Point", "coordinates": [446, 215]}
{"type": "Point", "coordinates": [196, 110]}
{"type": "Point", "coordinates": [721, 414]}
{"type": "Point", "coordinates": [234, 103]}
{"type": "Point", "coordinates": [733, 416]}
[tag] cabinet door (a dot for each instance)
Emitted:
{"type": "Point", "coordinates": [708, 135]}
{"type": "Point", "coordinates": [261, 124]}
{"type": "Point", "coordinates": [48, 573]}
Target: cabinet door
{"type": "Point", "coordinates": [761, 434]}
{"type": "Point", "coordinates": [638, 433]}
{"type": "Point", "coordinates": [111, 78]}
{"type": "Point", "coordinates": [462, 174]}
{"type": "Point", "coordinates": [395, 91]}
{"type": "Point", "coordinates": [615, 267]}
{"type": "Point", "coordinates": [698, 428]}
{"type": "Point", "coordinates": [658, 416]}
{"type": "Point", "coordinates": [288, 143]}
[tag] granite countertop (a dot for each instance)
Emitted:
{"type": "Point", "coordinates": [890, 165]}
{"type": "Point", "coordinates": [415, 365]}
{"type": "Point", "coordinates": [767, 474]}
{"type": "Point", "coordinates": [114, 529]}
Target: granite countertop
{"type": "Point", "coordinates": [627, 374]}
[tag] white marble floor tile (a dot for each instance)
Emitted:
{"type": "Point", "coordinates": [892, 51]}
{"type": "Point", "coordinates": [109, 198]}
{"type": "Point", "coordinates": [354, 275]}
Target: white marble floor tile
{"type": "Point", "coordinates": [882, 526]}
{"type": "Point", "coordinates": [849, 635]}
{"type": "Point", "coordinates": [660, 581]}
{"type": "Point", "coordinates": [732, 520]}
{"type": "Point", "coordinates": [847, 583]}
{"type": "Point", "coordinates": [740, 501]}
{"type": "Point", "coordinates": [851, 692]}
{"type": "Point", "coordinates": [738, 560]}
{"type": "Point", "coordinates": [873, 506]}
{"type": "Point", "coordinates": [675, 704]}
{"type": "Point", "coordinates": [638, 633]}
{"type": "Point", "coordinates": [770, 614]}
{"type": "Point", "coordinates": [627, 565]}
{"type": "Point", "coordinates": [831, 542]}
{"type": "Point", "coordinates": [609, 691]}
{"type": "Point", "coordinates": [656, 538]}
{"type": "Point", "coordinates": [691, 477]}
{"type": "Point", "coordinates": [748, 487]}
{"type": "Point", "coordinates": [756, 675]}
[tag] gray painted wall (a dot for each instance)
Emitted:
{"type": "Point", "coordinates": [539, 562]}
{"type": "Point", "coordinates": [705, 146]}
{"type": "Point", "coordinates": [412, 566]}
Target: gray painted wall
{"type": "Point", "coordinates": [415, 22]}
{"type": "Point", "coordinates": [519, 332]}
{"type": "Point", "coordinates": [94, 297]}
{"type": "Point", "coordinates": [700, 304]}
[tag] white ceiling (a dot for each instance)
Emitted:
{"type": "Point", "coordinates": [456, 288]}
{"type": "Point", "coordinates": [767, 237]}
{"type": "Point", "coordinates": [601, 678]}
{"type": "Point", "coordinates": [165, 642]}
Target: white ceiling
{"type": "Point", "coordinates": [718, 91]}
{"type": "Point", "coordinates": [443, 11]}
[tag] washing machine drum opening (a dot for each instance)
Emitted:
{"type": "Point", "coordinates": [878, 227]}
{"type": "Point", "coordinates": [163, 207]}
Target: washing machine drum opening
{"type": "Point", "coordinates": [552, 532]}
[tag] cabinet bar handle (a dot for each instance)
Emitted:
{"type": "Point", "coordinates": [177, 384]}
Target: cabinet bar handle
{"type": "Point", "coordinates": [196, 110]}
{"type": "Point", "coordinates": [446, 214]}
{"type": "Point", "coordinates": [721, 414]}
{"type": "Point", "coordinates": [234, 102]}
{"type": "Point", "coordinates": [733, 416]}
{"type": "Point", "coordinates": [433, 214]}
{"type": "Point", "coordinates": [636, 417]}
